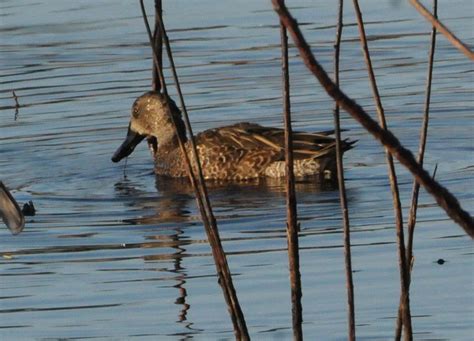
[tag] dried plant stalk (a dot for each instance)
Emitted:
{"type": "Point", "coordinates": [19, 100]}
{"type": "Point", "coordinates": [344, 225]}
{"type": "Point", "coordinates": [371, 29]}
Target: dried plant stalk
{"type": "Point", "coordinates": [397, 206]}
{"type": "Point", "coordinates": [423, 138]}
{"type": "Point", "coordinates": [291, 212]}
{"type": "Point", "coordinates": [158, 43]}
{"type": "Point", "coordinates": [198, 184]}
{"type": "Point", "coordinates": [421, 154]}
{"type": "Point", "coordinates": [342, 186]}
{"type": "Point", "coordinates": [455, 41]}
{"type": "Point", "coordinates": [442, 196]}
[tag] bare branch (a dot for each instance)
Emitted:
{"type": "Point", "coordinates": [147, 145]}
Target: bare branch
{"type": "Point", "coordinates": [397, 206]}
{"type": "Point", "coordinates": [198, 184]}
{"type": "Point", "coordinates": [455, 41]}
{"type": "Point", "coordinates": [421, 154]}
{"type": "Point", "coordinates": [291, 213]}
{"type": "Point", "coordinates": [342, 187]}
{"type": "Point", "coordinates": [442, 196]}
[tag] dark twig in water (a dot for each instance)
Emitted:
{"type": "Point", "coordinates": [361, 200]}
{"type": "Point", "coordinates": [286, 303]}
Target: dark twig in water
{"type": "Point", "coordinates": [28, 209]}
{"type": "Point", "coordinates": [342, 185]}
{"type": "Point", "coordinates": [225, 278]}
{"type": "Point", "coordinates": [455, 41]}
{"type": "Point", "coordinates": [421, 154]}
{"type": "Point", "coordinates": [291, 212]}
{"type": "Point", "coordinates": [397, 206]}
{"type": "Point", "coordinates": [15, 97]}
{"type": "Point", "coordinates": [443, 197]}
{"type": "Point", "coordinates": [17, 104]}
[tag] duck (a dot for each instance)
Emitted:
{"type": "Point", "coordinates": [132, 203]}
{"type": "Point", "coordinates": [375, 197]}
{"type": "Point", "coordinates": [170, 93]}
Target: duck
{"type": "Point", "coordinates": [238, 152]}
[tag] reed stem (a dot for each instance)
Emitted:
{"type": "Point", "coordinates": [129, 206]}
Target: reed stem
{"type": "Point", "coordinates": [342, 185]}
{"type": "Point", "coordinates": [442, 196]}
{"type": "Point", "coordinates": [455, 41]}
{"type": "Point", "coordinates": [158, 43]}
{"type": "Point", "coordinates": [423, 138]}
{"type": "Point", "coordinates": [198, 184]}
{"type": "Point", "coordinates": [402, 263]}
{"type": "Point", "coordinates": [421, 154]}
{"type": "Point", "coordinates": [291, 212]}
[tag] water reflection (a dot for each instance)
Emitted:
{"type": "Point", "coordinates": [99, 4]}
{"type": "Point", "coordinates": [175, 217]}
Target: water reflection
{"type": "Point", "coordinates": [174, 203]}
{"type": "Point", "coordinates": [176, 239]}
{"type": "Point", "coordinates": [169, 206]}
{"type": "Point", "coordinates": [175, 195]}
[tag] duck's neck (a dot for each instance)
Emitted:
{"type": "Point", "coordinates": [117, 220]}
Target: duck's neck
{"type": "Point", "coordinates": [168, 138]}
{"type": "Point", "coordinates": [169, 159]}
{"type": "Point", "coordinates": [168, 156]}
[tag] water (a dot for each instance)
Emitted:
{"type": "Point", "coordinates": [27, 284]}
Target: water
{"type": "Point", "coordinates": [114, 257]}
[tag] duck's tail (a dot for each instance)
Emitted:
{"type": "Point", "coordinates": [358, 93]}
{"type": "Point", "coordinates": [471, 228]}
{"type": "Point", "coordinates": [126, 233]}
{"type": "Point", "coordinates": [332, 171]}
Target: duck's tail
{"type": "Point", "coordinates": [318, 145]}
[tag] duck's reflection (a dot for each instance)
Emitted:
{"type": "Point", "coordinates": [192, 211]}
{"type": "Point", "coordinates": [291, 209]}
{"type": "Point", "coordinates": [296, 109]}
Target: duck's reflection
{"type": "Point", "coordinates": [174, 202]}
{"type": "Point", "coordinates": [179, 271]}
{"type": "Point", "coordinates": [168, 205]}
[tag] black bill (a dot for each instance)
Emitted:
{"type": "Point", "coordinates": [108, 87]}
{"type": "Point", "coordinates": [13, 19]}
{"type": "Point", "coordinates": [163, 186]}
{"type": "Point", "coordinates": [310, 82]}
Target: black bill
{"type": "Point", "coordinates": [127, 147]}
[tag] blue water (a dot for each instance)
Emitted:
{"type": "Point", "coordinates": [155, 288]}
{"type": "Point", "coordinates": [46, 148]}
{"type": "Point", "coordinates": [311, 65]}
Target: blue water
{"type": "Point", "coordinates": [114, 253]}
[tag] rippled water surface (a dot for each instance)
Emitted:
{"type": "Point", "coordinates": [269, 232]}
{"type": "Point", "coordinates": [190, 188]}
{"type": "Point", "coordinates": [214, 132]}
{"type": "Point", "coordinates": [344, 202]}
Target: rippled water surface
{"type": "Point", "coordinates": [115, 253]}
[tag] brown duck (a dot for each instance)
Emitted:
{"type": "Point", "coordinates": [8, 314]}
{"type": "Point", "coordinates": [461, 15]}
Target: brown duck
{"type": "Point", "coordinates": [241, 151]}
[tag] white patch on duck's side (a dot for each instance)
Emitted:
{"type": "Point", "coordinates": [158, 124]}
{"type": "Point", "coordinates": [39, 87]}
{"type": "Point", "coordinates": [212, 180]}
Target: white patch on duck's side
{"type": "Point", "coordinates": [275, 169]}
{"type": "Point", "coordinates": [301, 168]}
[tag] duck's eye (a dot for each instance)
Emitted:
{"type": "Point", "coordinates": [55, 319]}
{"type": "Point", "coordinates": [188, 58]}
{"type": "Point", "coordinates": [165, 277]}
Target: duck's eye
{"type": "Point", "coordinates": [135, 112]}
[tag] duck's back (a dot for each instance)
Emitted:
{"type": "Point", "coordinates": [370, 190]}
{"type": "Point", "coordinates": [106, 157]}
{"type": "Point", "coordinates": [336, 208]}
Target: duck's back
{"type": "Point", "coordinates": [235, 153]}
{"type": "Point", "coordinates": [247, 150]}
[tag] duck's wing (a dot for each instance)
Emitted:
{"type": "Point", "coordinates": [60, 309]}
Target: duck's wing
{"type": "Point", "coordinates": [239, 136]}
{"type": "Point", "coordinates": [250, 136]}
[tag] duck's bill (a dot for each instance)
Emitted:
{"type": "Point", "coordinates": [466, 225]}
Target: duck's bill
{"type": "Point", "coordinates": [128, 146]}
{"type": "Point", "coordinates": [10, 211]}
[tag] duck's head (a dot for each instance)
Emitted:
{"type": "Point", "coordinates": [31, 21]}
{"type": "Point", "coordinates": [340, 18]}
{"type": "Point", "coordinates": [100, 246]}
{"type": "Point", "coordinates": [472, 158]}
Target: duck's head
{"type": "Point", "coordinates": [150, 119]}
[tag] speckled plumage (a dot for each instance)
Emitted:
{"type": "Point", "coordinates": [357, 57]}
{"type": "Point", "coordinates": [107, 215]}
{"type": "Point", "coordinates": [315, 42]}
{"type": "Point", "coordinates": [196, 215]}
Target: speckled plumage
{"type": "Point", "coordinates": [237, 152]}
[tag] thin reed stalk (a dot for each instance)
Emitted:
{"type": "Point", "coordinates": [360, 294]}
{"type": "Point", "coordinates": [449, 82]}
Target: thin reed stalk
{"type": "Point", "coordinates": [442, 196]}
{"type": "Point", "coordinates": [397, 206]}
{"type": "Point", "coordinates": [225, 278]}
{"type": "Point", "coordinates": [291, 212]}
{"type": "Point", "coordinates": [201, 183]}
{"type": "Point", "coordinates": [455, 41]}
{"type": "Point", "coordinates": [421, 154]}
{"type": "Point", "coordinates": [212, 231]}
{"type": "Point", "coordinates": [342, 185]}
{"type": "Point", "coordinates": [158, 43]}
{"type": "Point", "coordinates": [423, 138]}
